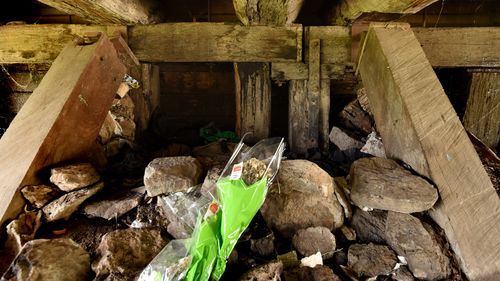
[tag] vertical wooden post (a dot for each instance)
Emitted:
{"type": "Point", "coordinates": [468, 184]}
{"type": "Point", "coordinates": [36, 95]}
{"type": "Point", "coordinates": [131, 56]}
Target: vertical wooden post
{"type": "Point", "coordinates": [299, 121]}
{"type": "Point", "coordinates": [253, 100]}
{"type": "Point", "coordinates": [482, 115]}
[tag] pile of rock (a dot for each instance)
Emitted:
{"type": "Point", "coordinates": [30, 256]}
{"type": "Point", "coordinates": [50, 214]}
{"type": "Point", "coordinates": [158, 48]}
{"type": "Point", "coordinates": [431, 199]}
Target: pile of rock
{"type": "Point", "coordinates": [311, 227]}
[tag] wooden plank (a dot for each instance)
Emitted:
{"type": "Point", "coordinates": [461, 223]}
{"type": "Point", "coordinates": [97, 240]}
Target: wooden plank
{"type": "Point", "coordinates": [267, 12]}
{"type": "Point", "coordinates": [298, 109]}
{"type": "Point", "coordinates": [108, 11]}
{"type": "Point", "coordinates": [42, 43]}
{"type": "Point", "coordinates": [253, 100]}
{"type": "Point", "coordinates": [214, 42]}
{"type": "Point", "coordinates": [349, 10]}
{"type": "Point", "coordinates": [461, 47]}
{"type": "Point", "coordinates": [313, 93]}
{"type": "Point", "coordinates": [324, 115]}
{"type": "Point", "coordinates": [300, 71]}
{"type": "Point", "coordinates": [419, 126]}
{"type": "Point", "coordinates": [335, 43]}
{"type": "Point", "coordinates": [51, 128]}
{"type": "Point", "coordinates": [482, 115]}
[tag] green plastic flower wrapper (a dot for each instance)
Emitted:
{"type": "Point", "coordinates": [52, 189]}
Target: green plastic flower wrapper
{"type": "Point", "coordinates": [241, 191]}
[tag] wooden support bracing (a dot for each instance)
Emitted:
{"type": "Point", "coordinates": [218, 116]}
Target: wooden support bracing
{"type": "Point", "coordinates": [253, 100]}
{"type": "Point", "coordinates": [420, 127]}
{"type": "Point", "coordinates": [108, 11]}
{"type": "Point", "coordinates": [349, 10]}
{"type": "Point", "coordinates": [482, 115]}
{"type": "Point", "coordinates": [53, 128]}
{"type": "Point", "coordinates": [267, 12]}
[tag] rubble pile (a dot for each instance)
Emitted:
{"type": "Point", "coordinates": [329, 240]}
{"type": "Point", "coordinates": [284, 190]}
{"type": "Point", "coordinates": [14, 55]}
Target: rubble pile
{"type": "Point", "coordinates": [368, 223]}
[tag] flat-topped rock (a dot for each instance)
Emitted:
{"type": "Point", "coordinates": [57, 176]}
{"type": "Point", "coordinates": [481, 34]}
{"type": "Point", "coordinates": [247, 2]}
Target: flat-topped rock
{"type": "Point", "coordinates": [49, 260]}
{"type": "Point", "coordinates": [171, 174]}
{"type": "Point", "coordinates": [371, 260]}
{"type": "Point", "coordinates": [115, 207]}
{"type": "Point", "coordinates": [383, 184]}
{"type": "Point", "coordinates": [66, 205]}
{"type": "Point", "coordinates": [39, 195]}
{"type": "Point", "coordinates": [369, 226]}
{"type": "Point", "coordinates": [74, 176]}
{"type": "Point", "coordinates": [418, 243]}
{"type": "Point", "coordinates": [304, 198]}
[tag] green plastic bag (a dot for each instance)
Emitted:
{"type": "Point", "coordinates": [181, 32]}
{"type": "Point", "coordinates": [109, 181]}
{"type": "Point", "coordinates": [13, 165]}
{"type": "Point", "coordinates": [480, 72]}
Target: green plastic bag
{"type": "Point", "coordinates": [239, 204]}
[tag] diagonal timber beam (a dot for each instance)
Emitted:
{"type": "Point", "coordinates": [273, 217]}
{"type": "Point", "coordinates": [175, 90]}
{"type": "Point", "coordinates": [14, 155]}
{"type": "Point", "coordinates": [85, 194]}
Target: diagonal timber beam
{"type": "Point", "coordinates": [108, 11]}
{"type": "Point", "coordinates": [420, 127]}
{"type": "Point", "coordinates": [61, 119]}
{"type": "Point", "coordinates": [349, 10]}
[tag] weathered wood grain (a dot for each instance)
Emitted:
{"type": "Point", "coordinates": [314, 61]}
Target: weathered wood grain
{"type": "Point", "coordinates": [253, 100]}
{"type": "Point", "coordinates": [335, 43]}
{"type": "Point", "coordinates": [61, 119]}
{"type": "Point", "coordinates": [300, 71]}
{"type": "Point", "coordinates": [42, 43]}
{"type": "Point", "coordinates": [461, 47]}
{"type": "Point", "coordinates": [109, 11]}
{"type": "Point", "coordinates": [267, 12]}
{"type": "Point", "coordinates": [214, 42]}
{"type": "Point", "coordinates": [349, 10]}
{"type": "Point", "coordinates": [419, 126]}
{"type": "Point", "coordinates": [482, 115]}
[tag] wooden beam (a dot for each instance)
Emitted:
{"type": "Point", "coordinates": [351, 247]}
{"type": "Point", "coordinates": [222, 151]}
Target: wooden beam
{"type": "Point", "coordinates": [267, 12]}
{"type": "Point", "coordinates": [108, 11]}
{"type": "Point", "coordinates": [42, 43]}
{"type": "Point", "coordinates": [61, 119]}
{"type": "Point", "coordinates": [461, 47]}
{"type": "Point", "coordinates": [335, 43]}
{"type": "Point", "coordinates": [214, 42]}
{"type": "Point", "coordinates": [253, 100]}
{"type": "Point", "coordinates": [300, 71]}
{"type": "Point", "coordinates": [419, 126]}
{"type": "Point", "coordinates": [482, 115]}
{"type": "Point", "coordinates": [349, 10]}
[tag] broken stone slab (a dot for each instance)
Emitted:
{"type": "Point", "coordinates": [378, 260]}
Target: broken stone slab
{"type": "Point", "coordinates": [39, 195]}
{"type": "Point", "coordinates": [342, 140]}
{"type": "Point", "coordinates": [66, 205]}
{"type": "Point", "coordinates": [22, 230]}
{"type": "Point", "coordinates": [371, 260]}
{"type": "Point", "coordinates": [74, 176]}
{"type": "Point", "coordinates": [363, 100]}
{"type": "Point", "coordinates": [314, 239]}
{"type": "Point", "coordinates": [343, 200]}
{"type": "Point", "coordinates": [267, 272]}
{"type": "Point", "coordinates": [304, 198]}
{"type": "Point", "coordinates": [127, 251]}
{"type": "Point", "coordinates": [369, 226]}
{"type": "Point", "coordinates": [50, 260]}
{"type": "Point", "coordinates": [374, 146]}
{"type": "Point", "coordinates": [112, 208]}
{"type": "Point", "coordinates": [355, 117]}
{"type": "Point", "coordinates": [171, 174]}
{"type": "Point", "coordinates": [383, 184]}
{"type": "Point", "coordinates": [317, 273]}
{"type": "Point", "coordinates": [418, 243]}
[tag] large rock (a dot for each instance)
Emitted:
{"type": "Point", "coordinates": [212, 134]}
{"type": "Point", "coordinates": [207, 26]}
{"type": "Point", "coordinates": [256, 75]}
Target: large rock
{"type": "Point", "coordinates": [381, 183]}
{"type": "Point", "coordinates": [127, 252]}
{"type": "Point", "coordinates": [369, 226]}
{"type": "Point", "coordinates": [39, 195]}
{"type": "Point", "coordinates": [171, 174]}
{"type": "Point", "coordinates": [371, 260]}
{"type": "Point", "coordinates": [75, 176]}
{"type": "Point", "coordinates": [311, 240]}
{"type": "Point", "coordinates": [112, 208]}
{"type": "Point", "coordinates": [267, 272]}
{"type": "Point", "coordinates": [417, 242]}
{"type": "Point", "coordinates": [342, 140]}
{"type": "Point", "coordinates": [303, 198]}
{"type": "Point", "coordinates": [66, 205]}
{"type": "Point", "coordinates": [50, 260]}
